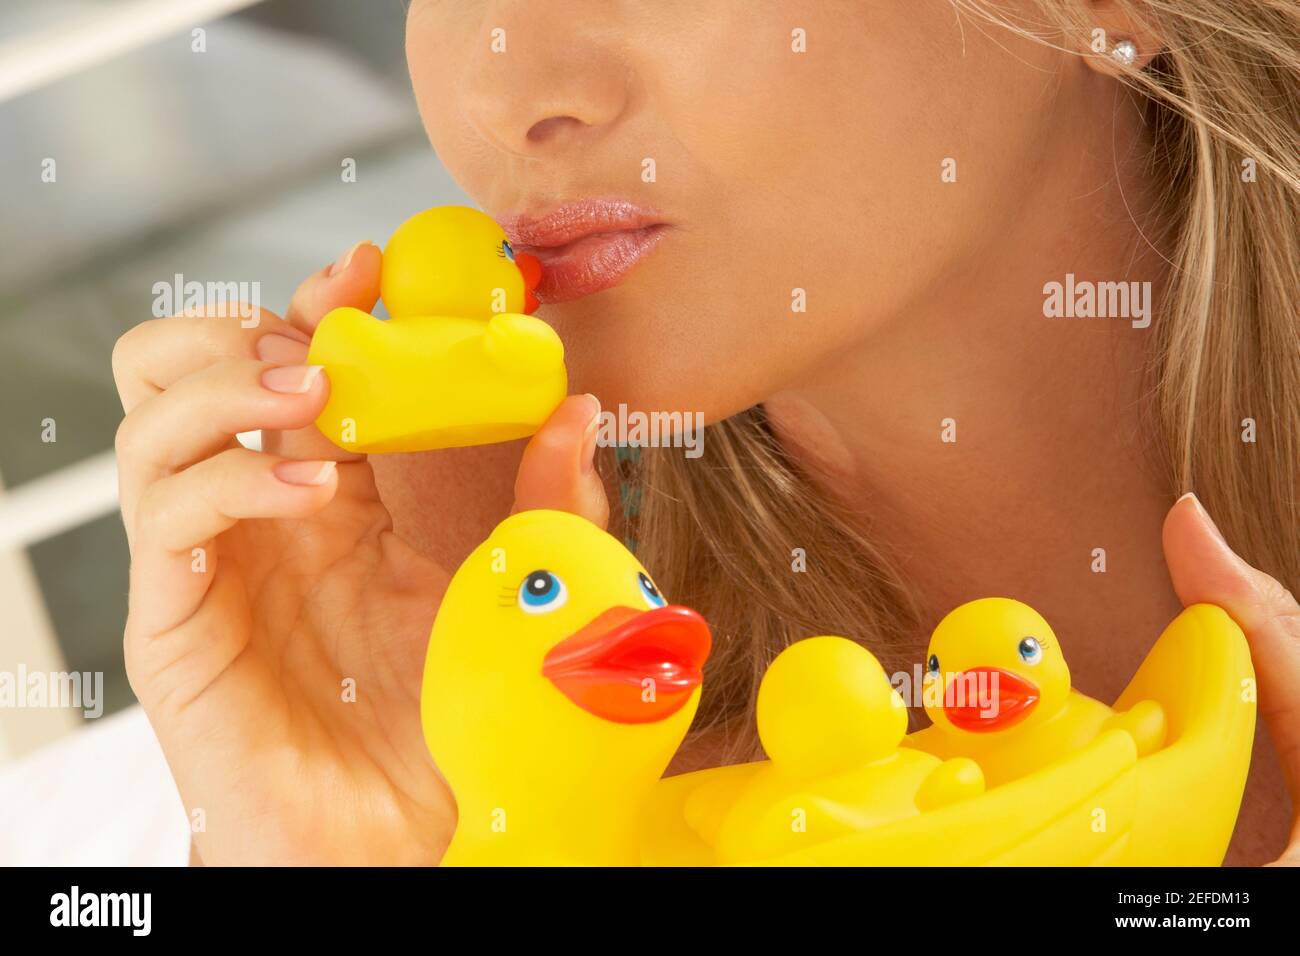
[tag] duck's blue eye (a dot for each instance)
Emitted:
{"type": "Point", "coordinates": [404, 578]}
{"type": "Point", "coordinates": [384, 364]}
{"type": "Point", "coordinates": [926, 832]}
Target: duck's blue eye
{"type": "Point", "coordinates": [932, 665]}
{"type": "Point", "coordinates": [541, 593]}
{"type": "Point", "coordinates": [1031, 652]}
{"type": "Point", "coordinates": [510, 253]}
{"type": "Point", "coordinates": [649, 591]}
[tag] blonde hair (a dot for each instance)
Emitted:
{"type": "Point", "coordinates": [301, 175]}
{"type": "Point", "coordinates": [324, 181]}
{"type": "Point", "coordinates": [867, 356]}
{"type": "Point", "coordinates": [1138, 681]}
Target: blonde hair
{"type": "Point", "coordinates": [1224, 90]}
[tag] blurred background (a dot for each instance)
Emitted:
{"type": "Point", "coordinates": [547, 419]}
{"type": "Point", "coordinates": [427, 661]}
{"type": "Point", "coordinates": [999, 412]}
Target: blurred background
{"type": "Point", "coordinates": [223, 164]}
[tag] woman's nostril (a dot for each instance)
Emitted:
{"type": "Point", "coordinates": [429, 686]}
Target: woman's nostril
{"type": "Point", "coordinates": [545, 130]}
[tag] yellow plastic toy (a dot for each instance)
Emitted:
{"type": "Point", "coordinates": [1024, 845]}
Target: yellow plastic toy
{"type": "Point", "coordinates": [831, 725]}
{"type": "Point", "coordinates": [998, 690]}
{"type": "Point", "coordinates": [458, 362]}
{"type": "Point", "coordinates": [558, 686]}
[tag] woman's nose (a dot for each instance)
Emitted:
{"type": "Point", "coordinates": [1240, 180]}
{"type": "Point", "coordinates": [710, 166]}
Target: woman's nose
{"type": "Point", "coordinates": [543, 82]}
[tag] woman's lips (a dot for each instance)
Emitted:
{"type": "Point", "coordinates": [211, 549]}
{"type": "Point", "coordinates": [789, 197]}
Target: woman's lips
{"type": "Point", "coordinates": [591, 263]}
{"type": "Point", "coordinates": [585, 246]}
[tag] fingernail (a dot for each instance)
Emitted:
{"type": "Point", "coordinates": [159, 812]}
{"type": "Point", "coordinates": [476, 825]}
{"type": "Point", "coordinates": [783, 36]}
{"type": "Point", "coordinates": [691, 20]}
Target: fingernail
{"type": "Point", "coordinates": [589, 436]}
{"type": "Point", "coordinates": [291, 379]}
{"type": "Point", "coordinates": [1205, 515]}
{"type": "Point", "coordinates": [341, 264]}
{"type": "Point", "coordinates": [304, 472]}
{"type": "Point", "coordinates": [281, 350]}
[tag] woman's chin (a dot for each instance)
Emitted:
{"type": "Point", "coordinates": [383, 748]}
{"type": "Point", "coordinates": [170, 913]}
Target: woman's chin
{"type": "Point", "coordinates": [662, 384]}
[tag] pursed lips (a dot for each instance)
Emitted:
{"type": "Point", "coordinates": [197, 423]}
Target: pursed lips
{"type": "Point", "coordinates": [587, 246]}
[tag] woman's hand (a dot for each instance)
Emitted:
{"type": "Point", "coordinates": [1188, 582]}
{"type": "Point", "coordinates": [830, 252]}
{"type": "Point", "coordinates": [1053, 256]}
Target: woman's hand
{"type": "Point", "coordinates": [1205, 569]}
{"type": "Point", "coordinates": [277, 627]}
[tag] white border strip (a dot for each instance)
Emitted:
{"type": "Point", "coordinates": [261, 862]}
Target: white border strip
{"type": "Point", "coordinates": [32, 60]}
{"type": "Point", "coordinates": [58, 502]}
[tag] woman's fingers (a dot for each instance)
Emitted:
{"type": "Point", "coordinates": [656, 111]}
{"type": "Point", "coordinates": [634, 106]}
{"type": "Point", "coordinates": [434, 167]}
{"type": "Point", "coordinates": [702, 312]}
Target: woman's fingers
{"type": "Point", "coordinates": [1204, 569]}
{"type": "Point", "coordinates": [352, 280]}
{"type": "Point", "coordinates": [557, 470]}
{"type": "Point", "coordinates": [201, 414]}
{"type": "Point", "coordinates": [172, 561]}
{"type": "Point", "coordinates": [154, 355]}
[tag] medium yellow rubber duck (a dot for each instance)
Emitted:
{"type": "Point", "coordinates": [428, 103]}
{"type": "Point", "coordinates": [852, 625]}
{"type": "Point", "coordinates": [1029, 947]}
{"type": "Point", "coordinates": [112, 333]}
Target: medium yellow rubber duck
{"type": "Point", "coordinates": [458, 362]}
{"type": "Point", "coordinates": [831, 725]}
{"type": "Point", "coordinates": [998, 691]}
{"type": "Point", "coordinates": [557, 687]}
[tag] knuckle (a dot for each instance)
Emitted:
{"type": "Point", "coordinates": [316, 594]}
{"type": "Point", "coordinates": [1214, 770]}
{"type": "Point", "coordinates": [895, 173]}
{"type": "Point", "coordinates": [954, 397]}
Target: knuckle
{"type": "Point", "coordinates": [226, 368]}
{"type": "Point", "coordinates": [150, 514]}
{"type": "Point", "coordinates": [227, 474]}
{"type": "Point", "coordinates": [240, 315]}
{"type": "Point", "coordinates": [236, 482]}
{"type": "Point", "coordinates": [225, 330]}
{"type": "Point", "coordinates": [125, 439]}
{"type": "Point", "coordinates": [125, 347]}
{"type": "Point", "coordinates": [1275, 596]}
{"type": "Point", "coordinates": [230, 459]}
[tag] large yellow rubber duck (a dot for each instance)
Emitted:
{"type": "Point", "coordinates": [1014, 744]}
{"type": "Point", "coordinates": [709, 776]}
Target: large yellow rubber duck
{"type": "Point", "coordinates": [557, 687]}
{"type": "Point", "coordinates": [998, 690]}
{"type": "Point", "coordinates": [459, 362]}
{"type": "Point", "coordinates": [831, 726]}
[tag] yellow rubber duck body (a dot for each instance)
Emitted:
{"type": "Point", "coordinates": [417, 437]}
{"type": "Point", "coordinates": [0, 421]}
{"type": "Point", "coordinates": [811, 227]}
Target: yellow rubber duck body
{"type": "Point", "coordinates": [831, 726]}
{"type": "Point", "coordinates": [998, 691]}
{"type": "Point", "coordinates": [557, 687]}
{"type": "Point", "coordinates": [458, 362]}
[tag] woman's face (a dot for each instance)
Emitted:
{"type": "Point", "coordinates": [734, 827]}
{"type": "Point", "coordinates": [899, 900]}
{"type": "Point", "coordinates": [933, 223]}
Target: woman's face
{"type": "Point", "coordinates": [684, 169]}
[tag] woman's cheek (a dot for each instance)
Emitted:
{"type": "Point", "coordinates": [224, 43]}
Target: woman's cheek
{"type": "Point", "coordinates": [438, 42]}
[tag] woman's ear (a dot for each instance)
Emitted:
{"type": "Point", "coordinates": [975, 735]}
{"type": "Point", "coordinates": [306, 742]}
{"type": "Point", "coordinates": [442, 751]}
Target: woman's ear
{"type": "Point", "coordinates": [1119, 42]}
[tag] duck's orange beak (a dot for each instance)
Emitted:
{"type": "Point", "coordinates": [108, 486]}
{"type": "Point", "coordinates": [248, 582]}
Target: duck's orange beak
{"type": "Point", "coordinates": [982, 699]}
{"type": "Point", "coordinates": [530, 267]}
{"type": "Point", "coordinates": [632, 667]}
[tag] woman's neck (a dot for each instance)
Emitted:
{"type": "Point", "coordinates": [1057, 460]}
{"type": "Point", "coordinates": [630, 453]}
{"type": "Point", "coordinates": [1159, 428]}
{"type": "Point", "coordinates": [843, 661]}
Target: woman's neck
{"type": "Point", "coordinates": [995, 450]}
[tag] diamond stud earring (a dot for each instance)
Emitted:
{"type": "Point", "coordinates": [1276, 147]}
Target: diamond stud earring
{"type": "Point", "coordinates": [1125, 53]}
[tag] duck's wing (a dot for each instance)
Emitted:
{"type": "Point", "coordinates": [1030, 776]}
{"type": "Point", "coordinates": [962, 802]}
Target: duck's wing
{"type": "Point", "coordinates": [1076, 812]}
{"type": "Point", "coordinates": [1189, 792]}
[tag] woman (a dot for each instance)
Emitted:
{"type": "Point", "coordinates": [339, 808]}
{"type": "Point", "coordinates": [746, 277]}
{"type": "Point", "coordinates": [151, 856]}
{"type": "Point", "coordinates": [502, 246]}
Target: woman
{"type": "Point", "coordinates": [840, 231]}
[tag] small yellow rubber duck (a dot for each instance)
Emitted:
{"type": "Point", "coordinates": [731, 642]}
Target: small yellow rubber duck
{"type": "Point", "coordinates": [557, 687]}
{"type": "Point", "coordinates": [458, 362]}
{"type": "Point", "coordinates": [998, 691]}
{"type": "Point", "coordinates": [831, 725]}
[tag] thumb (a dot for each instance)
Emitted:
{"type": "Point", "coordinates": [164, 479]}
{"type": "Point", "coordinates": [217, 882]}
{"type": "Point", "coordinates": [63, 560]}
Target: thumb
{"type": "Point", "coordinates": [558, 470]}
{"type": "Point", "coordinates": [1204, 569]}
{"type": "Point", "coordinates": [350, 280]}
